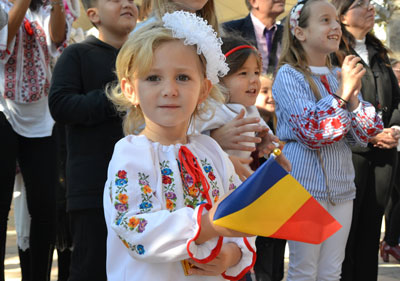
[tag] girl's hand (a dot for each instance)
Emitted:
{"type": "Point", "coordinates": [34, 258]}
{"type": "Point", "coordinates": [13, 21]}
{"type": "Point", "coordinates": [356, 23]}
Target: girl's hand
{"type": "Point", "coordinates": [266, 146]}
{"type": "Point", "coordinates": [388, 139]}
{"type": "Point", "coordinates": [230, 135]}
{"type": "Point", "coordinates": [240, 165]}
{"type": "Point", "coordinates": [229, 255]}
{"type": "Point", "coordinates": [350, 84]}
{"type": "Point", "coordinates": [284, 162]}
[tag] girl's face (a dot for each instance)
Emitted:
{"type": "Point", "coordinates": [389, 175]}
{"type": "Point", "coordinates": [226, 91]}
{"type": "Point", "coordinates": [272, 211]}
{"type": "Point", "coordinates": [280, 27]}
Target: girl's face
{"type": "Point", "coordinates": [244, 84]}
{"type": "Point", "coordinates": [359, 19]}
{"type": "Point", "coordinates": [265, 100]}
{"type": "Point", "coordinates": [192, 5]}
{"type": "Point", "coordinates": [322, 34]}
{"type": "Point", "coordinates": [169, 94]}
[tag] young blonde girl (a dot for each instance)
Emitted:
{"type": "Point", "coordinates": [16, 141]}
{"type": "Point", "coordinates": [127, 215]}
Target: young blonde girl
{"type": "Point", "coordinates": [319, 117]}
{"type": "Point", "coordinates": [162, 182]}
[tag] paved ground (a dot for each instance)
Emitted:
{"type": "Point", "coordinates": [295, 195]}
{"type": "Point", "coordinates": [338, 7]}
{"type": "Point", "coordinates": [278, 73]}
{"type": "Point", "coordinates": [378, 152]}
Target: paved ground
{"type": "Point", "coordinates": [387, 271]}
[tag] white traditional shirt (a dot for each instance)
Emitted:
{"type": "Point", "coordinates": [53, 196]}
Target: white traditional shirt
{"type": "Point", "coordinates": [153, 208]}
{"type": "Point", "coordinates": [25, 72]}
{"type": "Point", "coordinates": [225, 113]}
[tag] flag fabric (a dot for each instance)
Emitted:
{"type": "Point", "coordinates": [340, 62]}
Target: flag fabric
{"type": "Point", "coordinates": [272, 203]}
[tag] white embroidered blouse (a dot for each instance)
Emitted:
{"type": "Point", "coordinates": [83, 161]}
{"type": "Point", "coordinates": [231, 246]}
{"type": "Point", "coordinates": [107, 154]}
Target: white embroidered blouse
{"type": "Point", "coordinates": [25, 72]}
{"type": "Point", "coordinates": [153, 209]}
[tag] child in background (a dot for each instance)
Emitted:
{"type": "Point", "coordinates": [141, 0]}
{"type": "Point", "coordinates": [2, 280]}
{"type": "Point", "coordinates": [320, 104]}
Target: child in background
{"type": "Point", "coordinates": [162, 182]}
{"type": "Point", "coordinates": [241, 86]}
{"type": "Point", "coordinates": [77, 99]}
{"type": "Point", "coordinates": [318, 118]}
{"type": "Point", "coordinates": [265, 101]}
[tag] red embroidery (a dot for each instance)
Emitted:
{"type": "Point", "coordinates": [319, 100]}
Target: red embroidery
{"type": "Point", "coordinates": [35, 82]}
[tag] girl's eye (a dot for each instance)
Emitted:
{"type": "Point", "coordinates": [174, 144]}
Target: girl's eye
{"type": "Point", "coordinates": [257, 73]}
{"type": "Point", "coordinates": [153, 78]}
{"type": "Point", "coordinates": [183, 77]}
{"type": "Point", "coordinates": [243, 73]}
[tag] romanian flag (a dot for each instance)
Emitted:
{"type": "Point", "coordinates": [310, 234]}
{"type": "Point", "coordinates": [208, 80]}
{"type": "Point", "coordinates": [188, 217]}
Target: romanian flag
{"type": "Point", "coordinates": [272, 203]}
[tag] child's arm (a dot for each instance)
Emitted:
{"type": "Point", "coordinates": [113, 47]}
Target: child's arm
{"type": "Point", "coordinates": [365, 124]}
{"type": "Point", "coordinates": [68, 102]}
{"type": "Point", "coordinates": [313, 124]}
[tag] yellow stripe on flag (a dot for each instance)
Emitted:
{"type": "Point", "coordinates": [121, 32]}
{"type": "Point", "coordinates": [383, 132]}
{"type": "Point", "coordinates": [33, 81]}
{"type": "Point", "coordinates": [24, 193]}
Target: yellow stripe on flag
{"type": "Point", "coordinates": [270, 211]}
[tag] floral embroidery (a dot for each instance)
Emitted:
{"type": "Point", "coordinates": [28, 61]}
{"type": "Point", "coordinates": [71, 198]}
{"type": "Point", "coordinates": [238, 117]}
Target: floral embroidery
{"type": "Point", "coordinates": [192, 191]}
{"type": "Point", "coordinates": [147, 193]}
{"type": "Point", "coordinates": [121, 198]}
{"type": "Point", "coordinates": [231, 184]}
{"type": "Point", "coordinates": [135, 248]}
{"type": "Point", "coordinates": [134, 224]}
{"type": "Point", "coordinates": [168, 185]}
{"type": "Point", "coordinates": [213, 183]}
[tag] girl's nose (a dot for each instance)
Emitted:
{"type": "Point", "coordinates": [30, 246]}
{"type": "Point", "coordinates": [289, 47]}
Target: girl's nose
{"type": "Point", "coordinates": [169, 88]}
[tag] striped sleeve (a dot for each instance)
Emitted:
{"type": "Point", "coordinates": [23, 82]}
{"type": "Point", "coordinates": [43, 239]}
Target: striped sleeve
{"type": "Point", "coordinates": [365, 123]}
{"type": "Point", "coordinates": [313, 124]}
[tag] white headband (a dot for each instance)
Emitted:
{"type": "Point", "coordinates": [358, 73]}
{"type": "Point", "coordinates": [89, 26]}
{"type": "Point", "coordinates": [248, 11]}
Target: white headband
{"type": "Point", "coordinates": [196, 31]}
{"type": "Point", "coordinates": [295, 15]}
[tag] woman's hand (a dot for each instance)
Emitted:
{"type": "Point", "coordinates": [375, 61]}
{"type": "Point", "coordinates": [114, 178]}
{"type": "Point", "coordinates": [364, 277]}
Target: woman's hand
{"type": "Point", "coordinates": [350, 82]}
{"type": "Point", "coordinates": [388, 139]}
{"type": "Point", "coordinates": [229, 255]}
{"type": "Point", "coordinates": [240, 165]}
{"type": "Point", "coordinates": [230, 135]}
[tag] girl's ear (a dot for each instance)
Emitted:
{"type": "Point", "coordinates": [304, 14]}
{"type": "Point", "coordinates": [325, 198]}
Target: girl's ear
{"type": "Point", "coordinates": [299, 34]}
{"type": "Point", "coordinates": [93, 16]}
{"type": "Point", "coordinates": [343, 19]}
{"type": "Point", "coordinates": [206, 89]}
{"type": "Point", "coordinates": [129, 91]}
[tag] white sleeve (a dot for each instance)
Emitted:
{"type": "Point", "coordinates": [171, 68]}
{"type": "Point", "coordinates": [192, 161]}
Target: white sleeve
{"type": "Point", "coordinates": [150, 232]}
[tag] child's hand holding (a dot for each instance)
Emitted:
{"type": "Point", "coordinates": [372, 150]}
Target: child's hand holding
{"type": "Point", "coordinates": [266, 146]}
{"type": "Point", "coordinates": [229, 255]}
{"type": "Point", "coordinates": [350, 84]}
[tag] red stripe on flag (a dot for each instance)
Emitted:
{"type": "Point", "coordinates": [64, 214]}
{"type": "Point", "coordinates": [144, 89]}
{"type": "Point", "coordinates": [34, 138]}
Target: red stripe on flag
{"type": "Point", "coordinates": [310, 224]}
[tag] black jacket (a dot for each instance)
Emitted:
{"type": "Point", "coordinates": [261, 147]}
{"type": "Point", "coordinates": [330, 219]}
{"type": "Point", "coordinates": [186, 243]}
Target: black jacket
{"type": "Point", "coordinates": [77, 99]}
{"type": "Point", "coordinates": [245, 28]}
{"type": "Point", "coordinates": [380, 88]}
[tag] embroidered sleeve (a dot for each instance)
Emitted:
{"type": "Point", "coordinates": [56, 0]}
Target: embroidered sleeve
{"type": "Point", "coordinates": [313, 124]}
{"type": "Point", "coordinates": [150, 231]}
{"type": "Point", "coordinates": [365, 123]}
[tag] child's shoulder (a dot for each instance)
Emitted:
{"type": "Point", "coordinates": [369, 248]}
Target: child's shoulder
{"type": "Point", "coordinates": [89, 44]}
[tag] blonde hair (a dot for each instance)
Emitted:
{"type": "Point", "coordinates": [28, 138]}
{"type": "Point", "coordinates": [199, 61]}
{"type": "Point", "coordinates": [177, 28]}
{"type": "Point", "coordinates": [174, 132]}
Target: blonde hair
{"type": "Point", "coordinates": [160, 7]}
{"type": "Point", "coordinates": [293, 52]}
{"type": "Point", "coordinates": [134, 61]}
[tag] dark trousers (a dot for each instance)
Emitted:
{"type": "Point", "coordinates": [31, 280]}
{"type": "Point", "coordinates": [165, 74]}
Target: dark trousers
{"type": "Point", "coordinates": [37, 161]}
{"type": "Point", "coordinates": [392, 215]}
{"type": "Point", "coordinates": [89, 236]}
{"type": "Point", "coordinates": [374, 181]}
{"type": "Point", "coordinates": [269, 264]}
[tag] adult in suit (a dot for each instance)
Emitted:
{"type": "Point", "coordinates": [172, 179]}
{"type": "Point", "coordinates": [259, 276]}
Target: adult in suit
{"type": "Point", "coordinates": [374, 165]}
{"type": "Point", "coordinates": [261, 29]}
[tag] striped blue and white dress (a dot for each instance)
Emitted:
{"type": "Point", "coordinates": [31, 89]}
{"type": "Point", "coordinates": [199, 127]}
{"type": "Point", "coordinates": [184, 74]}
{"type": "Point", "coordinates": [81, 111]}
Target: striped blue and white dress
{"type": "Point", "coordinates": [312, 127]}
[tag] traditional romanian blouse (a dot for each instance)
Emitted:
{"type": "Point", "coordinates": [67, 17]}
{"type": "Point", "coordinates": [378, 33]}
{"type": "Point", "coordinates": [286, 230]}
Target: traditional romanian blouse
{"type": "Point", "coordinates": [153, 209]}
{"type": "Point", "coordinates": [310, 127]}
{"type": "Point", "coordinates": [25, 72]}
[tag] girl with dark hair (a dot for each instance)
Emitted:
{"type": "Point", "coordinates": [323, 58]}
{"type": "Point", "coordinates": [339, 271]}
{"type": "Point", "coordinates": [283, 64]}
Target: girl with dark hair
{"type": "Point", "coordinates": [375, 164]}
{"type": "Point", "coordinates": [320, 117]}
